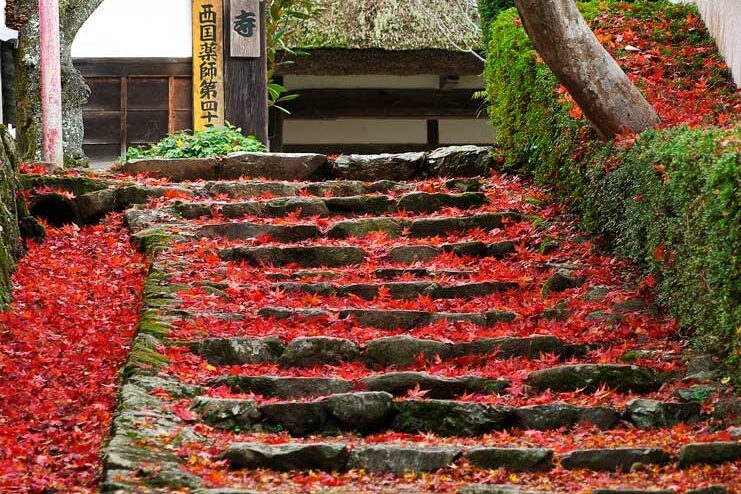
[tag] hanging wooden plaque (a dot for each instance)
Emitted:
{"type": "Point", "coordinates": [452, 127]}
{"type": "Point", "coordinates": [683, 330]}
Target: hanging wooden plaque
{"type": "Point", "coordinates": [208, 64]}
{"type": "Point", "coordinates": [245, 26]}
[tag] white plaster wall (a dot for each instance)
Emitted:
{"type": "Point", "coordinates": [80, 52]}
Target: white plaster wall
{"type": "Point", "coordinates": [136, 28]}
{"type": "Point", "coordinates": [723, 19]}
{"type": "Point", "coordinates": [355, 131]}
{"type": "Point", "coordinates": [466, 131]}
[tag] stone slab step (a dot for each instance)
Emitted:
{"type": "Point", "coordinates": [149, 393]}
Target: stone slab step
{"type": "Point", "coordinates": [394, 383]}
{"type": "Point", "coordinates": [392, 318]}
{"type": "Point", "coordinates": [381, 273]}
{"type": "Point", "coordinates": [589, 377]}
{"type": "Point", "coordinates": [245, 189]}
{"type": "Point", "coordinates": [461, 161]}
{"type": "Point", "coordinates": [397, 351]}
{"type": "Point", "coordinates": [308, 257]}
{"type": "Point", "coordinates": [422, 227]}
{"type": "Point", "coordinates": [274, 166]}
{"type": "Point", "coordinates": [403, 290]}
{"type": "Point", "coordinates": [400, 459]}
{"type": "Point", "coordinates": [414, 202]}
{"type": "Point", "coordinates": [247, 230]}
{"type": "Point", "coordinates": [411, 254]}
{"type": "Point", "coordinates": [373, 411]}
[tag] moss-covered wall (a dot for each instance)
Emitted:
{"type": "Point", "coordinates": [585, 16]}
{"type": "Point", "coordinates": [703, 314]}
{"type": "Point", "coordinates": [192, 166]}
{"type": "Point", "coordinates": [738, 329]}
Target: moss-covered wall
{"type": "Point", "coordinates": [680, 222]}
{"type": "Point", "coordinates": [10, 237]}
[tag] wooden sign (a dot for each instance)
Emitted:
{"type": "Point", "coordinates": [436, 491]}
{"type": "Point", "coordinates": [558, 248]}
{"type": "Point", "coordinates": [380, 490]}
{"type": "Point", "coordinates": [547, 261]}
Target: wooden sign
{"type": "Point", "coordinates": [208, 64]}
{"type": "Point", "coordinates": [245, 27]}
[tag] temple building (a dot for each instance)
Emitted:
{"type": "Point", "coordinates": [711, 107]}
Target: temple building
{"type": "Point", "coordinates": [380, 75]}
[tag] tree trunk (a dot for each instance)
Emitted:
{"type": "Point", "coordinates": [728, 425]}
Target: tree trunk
{"type": "Point", "coordinates": [593, 78]}
{"type": "Point", "coordinates": [75, 92]}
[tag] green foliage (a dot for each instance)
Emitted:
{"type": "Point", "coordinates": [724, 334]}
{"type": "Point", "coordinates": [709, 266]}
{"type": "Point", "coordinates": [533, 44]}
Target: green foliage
{"type": "Point", "coordinates": [283, 19]}
{"type": "Point", "coordinates": [489, 10]}
{"type": "Point", "coordinates": [214, 141]}
{"type": "Point", "coordinates": [669, 203]}
{"type": "Point", "coordinates": [672, 206]}
{"type": "Point", "coordinates": [534, 131]}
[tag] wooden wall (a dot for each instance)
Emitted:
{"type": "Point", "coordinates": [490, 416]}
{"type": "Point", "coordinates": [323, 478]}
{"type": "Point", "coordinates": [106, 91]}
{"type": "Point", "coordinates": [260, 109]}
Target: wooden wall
{"type": "Point", "coordinates": [134, 103]}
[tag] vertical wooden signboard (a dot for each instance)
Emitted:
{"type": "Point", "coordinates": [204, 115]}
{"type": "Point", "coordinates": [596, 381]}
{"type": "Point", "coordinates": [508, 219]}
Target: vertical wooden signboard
{"type": "Point", "coordinates": [245, 67]}
{"type": "Point", "coordinates": [246, 27]}
{"type": "Point", "coordinates": [208, 63]}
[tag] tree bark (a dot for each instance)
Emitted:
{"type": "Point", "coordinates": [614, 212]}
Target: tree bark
{"type": "Point", "coordinates": [75, 91]}
{"type": "Point", "coordinates": [593, 78]}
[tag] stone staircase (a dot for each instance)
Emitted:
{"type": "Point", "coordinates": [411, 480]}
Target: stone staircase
{"type": "Point", "coordinates": [395, 323]}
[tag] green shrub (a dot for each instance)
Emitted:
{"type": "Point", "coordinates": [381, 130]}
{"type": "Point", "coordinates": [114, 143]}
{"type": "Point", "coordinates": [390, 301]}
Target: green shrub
{"type": "Point", "coordinates": [672, 206]}
{"type": "Point", "coordinates": [670, 202]}
{"type": "Point", "coordinates": [214, 141]}
{"type": "Point", "coordinates": [489, 10]}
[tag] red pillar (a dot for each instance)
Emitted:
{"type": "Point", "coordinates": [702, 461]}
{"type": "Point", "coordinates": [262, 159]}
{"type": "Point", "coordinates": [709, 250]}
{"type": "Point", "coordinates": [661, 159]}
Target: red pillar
{"type": "Point", "coordinates": [51, 83]}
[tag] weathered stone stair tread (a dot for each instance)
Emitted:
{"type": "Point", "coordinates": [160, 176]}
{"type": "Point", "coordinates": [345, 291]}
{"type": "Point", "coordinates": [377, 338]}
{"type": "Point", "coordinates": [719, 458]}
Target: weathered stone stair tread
{"type": "Point", "coordinates": [411, 254]}
{"type": "Point", "coordinates": [611, 459]}
{"type": "Point", "coordinates": [394, 383]}
{"type": "Point", "coordinates": [402, 289]}
{"type": "Point", "coordinates": [392, 318]}
{"type": "Point", "coordinates": [244, 189]}
{"type": "Point", "coordinates": [275, 166]}
{"type": "Point", "coordinates": [399, 459]}
{"type": "Point", "coordinates": [247, 230]}
{"type": "Point", "coordinates": [375, 409]}
{"type": "Point", "coordinates": [399, 350]}
{"type": "Point", "coordinates": [410, 319]}
{"type": "Point", "coordinates": [380, 273]}
{"type": "Point", "coordinates": [422, 227]}
{"type": "Point", "coordinates": [308, 257]}
{"type": "Point", "coordinates": [589, 377]}
{"type": "Point", "coordinates": [415, 202]}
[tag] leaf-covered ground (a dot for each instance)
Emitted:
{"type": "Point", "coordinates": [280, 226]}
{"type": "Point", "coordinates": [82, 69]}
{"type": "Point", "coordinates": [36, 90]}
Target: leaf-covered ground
{"type": "Point", "coordinates": [77, 298]}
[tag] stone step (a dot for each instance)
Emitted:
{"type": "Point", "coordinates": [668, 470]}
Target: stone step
{"type": "Point", "coordinates": [273, 166]}
{"type": "Point", "coordinates": [403, 290]}
{"type": "Point", "coordinates": [401, 459]}
{"type": "Point", "coordinates": [246, 189]}
{"type": "Point", "coordinates": [399, 351]}
{"type": "Point", "coordinates": [589, 377]}
{"type": "Point", "coordinates": [421, 227]}
{"type": "Point", "coordinates": [375, 409]}
{"type": "Point", "coordinates": [305, 207]}
{"type": "Point", "coordinates": [392, 318]}
{"type": "Point", "coordinates": [307, 257]}
{"type": "Point", "coordinates": [247, 230]}
{"type": "Point", "coordinates": [410, 254]}
{"type": "Point", "coordinates": [462, 161]}
{"type": "Point", "coordinates": [395, 383]}
{"type": "Point", "coordinates": [380, 273]}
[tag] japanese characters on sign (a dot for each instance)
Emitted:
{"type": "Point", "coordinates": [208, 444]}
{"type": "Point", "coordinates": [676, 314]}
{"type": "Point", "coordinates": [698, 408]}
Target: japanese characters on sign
{"type": "Point", "coordinates": [245, 25]}
{"type": "Point", "coordinates": [208, 64]}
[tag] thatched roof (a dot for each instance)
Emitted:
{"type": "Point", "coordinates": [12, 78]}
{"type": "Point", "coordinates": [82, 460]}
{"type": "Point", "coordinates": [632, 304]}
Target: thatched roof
{"type": "Point", "coordinates": [392, 25]}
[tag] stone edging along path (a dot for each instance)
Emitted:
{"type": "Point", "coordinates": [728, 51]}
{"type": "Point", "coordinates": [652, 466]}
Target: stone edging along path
{"type": "Point", "coordinates": [302, 353]}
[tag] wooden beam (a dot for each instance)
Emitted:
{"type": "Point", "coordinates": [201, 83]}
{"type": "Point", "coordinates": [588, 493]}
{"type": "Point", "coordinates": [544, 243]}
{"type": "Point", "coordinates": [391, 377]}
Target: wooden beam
{"type": "Point", "coordinates": [433, 132]}
{"type": "Point", "coordinates": [337, 61]}
{"type": "Point", "coordinates": [117, 67]}
{"type": "Point", "coordinates": [382, 103]}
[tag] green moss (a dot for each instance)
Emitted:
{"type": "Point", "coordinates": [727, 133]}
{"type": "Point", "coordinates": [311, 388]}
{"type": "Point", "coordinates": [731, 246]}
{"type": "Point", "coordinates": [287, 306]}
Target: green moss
{"type": "Point", "coordinates": [143, 359]}
{"type": "Point", "coordinates": [692, 216]}
{"type": "Point", "coordinates": [77, 185]}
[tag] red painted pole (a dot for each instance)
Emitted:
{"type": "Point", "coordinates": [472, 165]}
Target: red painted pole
{"type": "Point", "coordinates": [51, 83]}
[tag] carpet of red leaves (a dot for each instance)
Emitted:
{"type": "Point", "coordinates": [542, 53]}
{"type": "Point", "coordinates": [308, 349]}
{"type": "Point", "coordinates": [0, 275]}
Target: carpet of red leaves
{"type": "Point", "coordinates": [62, 343]}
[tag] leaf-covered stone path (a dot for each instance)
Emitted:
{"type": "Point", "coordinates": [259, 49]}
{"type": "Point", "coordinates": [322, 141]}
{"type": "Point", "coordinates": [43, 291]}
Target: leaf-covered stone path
{"type": "Point", "coordinates": [405, 324]}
